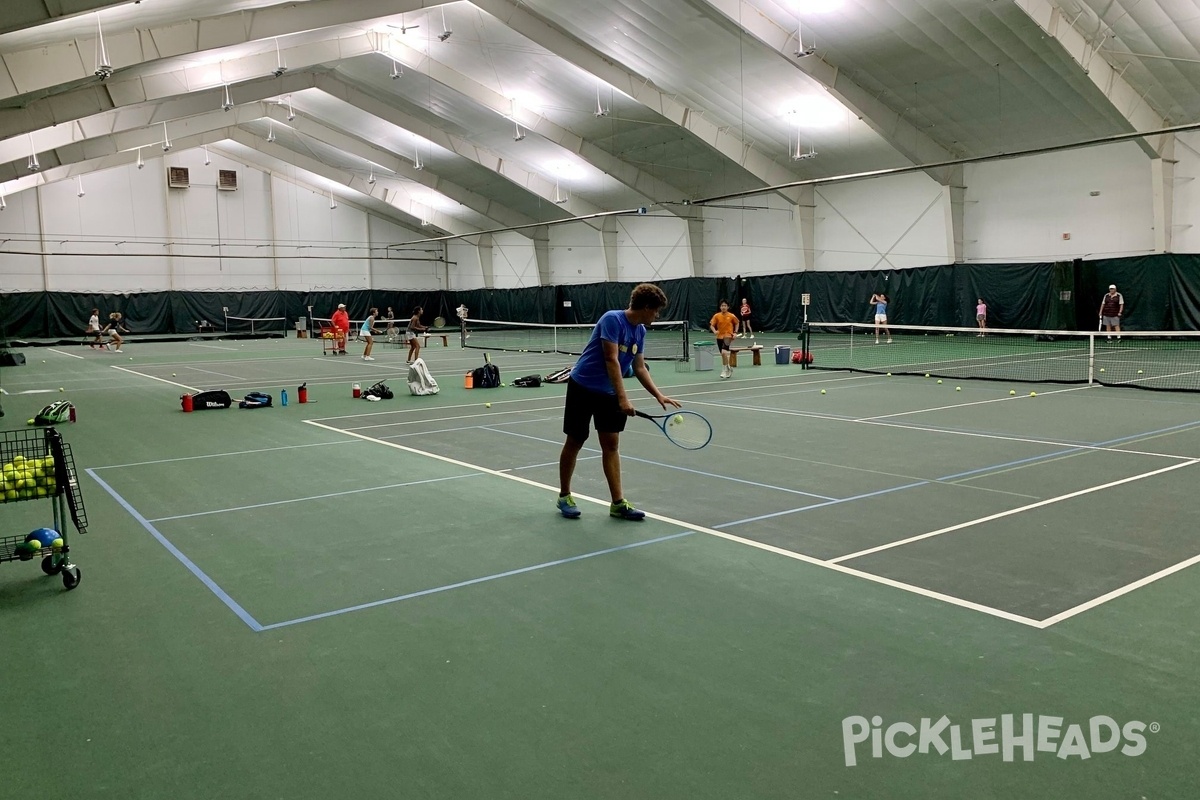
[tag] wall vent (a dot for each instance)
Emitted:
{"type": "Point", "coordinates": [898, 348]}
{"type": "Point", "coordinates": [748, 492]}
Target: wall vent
{"type": "Point", "coordinates": [227, 180]}
{"type": "Point", "coordinates": [178, 178]}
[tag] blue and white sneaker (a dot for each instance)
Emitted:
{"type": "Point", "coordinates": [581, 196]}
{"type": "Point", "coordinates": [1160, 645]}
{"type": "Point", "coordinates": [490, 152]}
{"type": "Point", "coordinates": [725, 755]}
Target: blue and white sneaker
{"type": "Point", "coordinates": [623, 509]}
{"type": "Point", "coordinates": [567, 507]}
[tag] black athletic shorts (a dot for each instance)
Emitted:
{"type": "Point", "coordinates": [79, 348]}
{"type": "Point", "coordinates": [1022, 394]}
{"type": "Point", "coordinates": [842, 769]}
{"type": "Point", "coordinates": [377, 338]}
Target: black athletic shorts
{"type": "Point", "coordinates": [583, 405]}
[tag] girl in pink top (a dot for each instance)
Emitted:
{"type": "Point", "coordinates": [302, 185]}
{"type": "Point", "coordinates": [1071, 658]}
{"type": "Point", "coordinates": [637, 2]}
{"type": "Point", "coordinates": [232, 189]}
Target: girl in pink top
{"type": "Point", "coordinates": [981, 317]}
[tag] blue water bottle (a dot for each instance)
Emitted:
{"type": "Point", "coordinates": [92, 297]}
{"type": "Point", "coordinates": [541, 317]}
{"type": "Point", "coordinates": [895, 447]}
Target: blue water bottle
{"type": "Point", "coordinates": [283, 396]}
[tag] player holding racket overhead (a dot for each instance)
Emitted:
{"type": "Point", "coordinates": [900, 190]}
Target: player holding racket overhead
{"type": "Point", "coordinates": [595, 391]}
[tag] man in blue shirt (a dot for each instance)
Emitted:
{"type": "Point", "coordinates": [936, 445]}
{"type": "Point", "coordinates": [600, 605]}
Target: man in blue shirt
{"type": "Point", "coordinates": [595, 391]}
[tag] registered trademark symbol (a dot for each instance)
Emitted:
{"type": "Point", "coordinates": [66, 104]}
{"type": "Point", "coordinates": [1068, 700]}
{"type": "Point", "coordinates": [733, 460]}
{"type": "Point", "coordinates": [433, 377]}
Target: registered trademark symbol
{"type": "Point", "coordinates": [1155, 727]}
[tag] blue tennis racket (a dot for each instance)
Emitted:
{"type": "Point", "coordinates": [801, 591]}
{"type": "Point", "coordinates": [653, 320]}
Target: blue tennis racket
{"type": "Point", "coordinates": [687, 429]}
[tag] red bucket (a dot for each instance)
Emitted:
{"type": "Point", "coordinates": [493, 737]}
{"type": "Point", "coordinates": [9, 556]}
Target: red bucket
{"type": "Point", "coordinates": [187, 402]}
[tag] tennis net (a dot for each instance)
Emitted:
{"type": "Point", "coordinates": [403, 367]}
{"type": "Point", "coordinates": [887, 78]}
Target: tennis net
{"type": "Point", "coordinates": [665, 341]}
{"type": "Point", "coordinates": [257, 326]}
{"type": "Point", "coordinates": [1167, 360]}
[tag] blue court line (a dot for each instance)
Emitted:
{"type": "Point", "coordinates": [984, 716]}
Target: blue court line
{"type": "Point", "coordinates": [472, 582]}
{"type": "Point", "coordinates": [187, 562]}
{"type": "Point", "coordinates": [317, 497]}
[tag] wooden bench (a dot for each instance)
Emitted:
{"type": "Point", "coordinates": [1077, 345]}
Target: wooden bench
{"type": "Point", "coordinates": [444, 337]}
{"type": "Point", "coordinates": [755, 349]}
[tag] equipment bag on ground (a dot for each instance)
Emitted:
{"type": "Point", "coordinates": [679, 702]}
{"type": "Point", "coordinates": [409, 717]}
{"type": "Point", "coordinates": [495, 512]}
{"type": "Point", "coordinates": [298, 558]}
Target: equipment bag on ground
{"type": "Point", "coordinates": [486, 377]}
{"type": "Point", "coordinates": [558, 376]}
{"type": "Point", "coordinates": [256, 400]}
{"type": "Point", "coordinates": [55, 413]}
{"type": "Point", "coordinates": [214, 398]}
{"type": "Point", "coordinates": [420, 379]}
{"type": "Point", "coordinates": [528, 382]}
{"type": "Point", "coordinates": [379, 391]}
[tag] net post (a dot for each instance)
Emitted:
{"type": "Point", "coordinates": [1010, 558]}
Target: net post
{"type": "Point", "coordinates": [1091, 376]}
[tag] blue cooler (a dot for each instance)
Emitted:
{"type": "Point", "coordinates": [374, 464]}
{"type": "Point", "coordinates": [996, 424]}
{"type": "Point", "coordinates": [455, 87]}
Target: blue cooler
{"type": "Point", "coordinates": [783, 354]}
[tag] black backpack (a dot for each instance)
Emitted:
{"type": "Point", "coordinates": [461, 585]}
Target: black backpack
{"type": "Point", "coordinates": [528, 382]}
{"type": "Point", "coordinates": [486, 377]}
{"type": "Point", "coordinates": [381, 391]}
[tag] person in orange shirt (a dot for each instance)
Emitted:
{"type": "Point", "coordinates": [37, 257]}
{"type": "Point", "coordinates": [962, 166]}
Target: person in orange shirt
{"type": "Point", "coordinates": [723, 325]}
{"type": "Point", "coordinates": [341, 323]}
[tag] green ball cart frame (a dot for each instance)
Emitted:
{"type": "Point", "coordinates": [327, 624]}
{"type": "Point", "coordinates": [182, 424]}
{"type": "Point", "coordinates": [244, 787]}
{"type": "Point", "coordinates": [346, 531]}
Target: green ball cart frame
{"type": "Point", "coordinates": [65, 497]}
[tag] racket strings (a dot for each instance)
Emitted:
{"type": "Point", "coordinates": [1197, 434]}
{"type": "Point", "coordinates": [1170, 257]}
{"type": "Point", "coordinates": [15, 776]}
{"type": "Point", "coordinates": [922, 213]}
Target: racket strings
{"type": "Point", "coordinates": [687, 430]}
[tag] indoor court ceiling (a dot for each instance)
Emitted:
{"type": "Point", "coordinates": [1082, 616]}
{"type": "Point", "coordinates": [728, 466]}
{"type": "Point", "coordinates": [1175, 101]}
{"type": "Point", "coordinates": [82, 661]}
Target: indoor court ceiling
{"type": "Point", "coordinates": [514, 113]}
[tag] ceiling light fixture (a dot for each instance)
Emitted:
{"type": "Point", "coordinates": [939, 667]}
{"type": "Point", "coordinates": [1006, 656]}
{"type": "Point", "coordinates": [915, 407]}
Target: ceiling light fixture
{"type": "Point", "coordinates": [803, 51]}
{"type": "Point", "coordinates": [559, 198]}
{"type": "Point", "coordinates": [291, 111]}
{"type": "Point", "coordinates": [80, 193]}
{"type": "Point", "coordinates": [601, 111]}
{"type": "Point", "coordinates": [166, 142]}
{"type": "Point", "coordinates": [280, 67]}
{"type": "Point", "coordinates": [33, 164]}
{"type": "Point", "coordinates": [417, 165]}
{"type": "Point", "coordinates": [803, 155]}
{"type": "Point", "coordinates": [446, 32]}
{"type": "Point", "coordinates": [207, 157]}
{"type": "Point", "coordinates": [3, 205]}
{"type": "Point", "coordinates": [271, 132]}
{"type": "Point", "coordinates": [104, 70]}
{"type": "Point", "coordinates": [332, 201]}
{"type": "Point", "coordinates": [227, 105]}
{"type": "Point", "coordinates": [397, 69]}
{"type": "Point", "coordinates": [140, 162]}
{"type": "Point", "coordinates": [371, 180]}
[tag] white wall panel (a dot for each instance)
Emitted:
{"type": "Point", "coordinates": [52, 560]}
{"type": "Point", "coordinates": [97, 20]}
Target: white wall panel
{"type": "Point", "coordinates": [420, 267]}
{"type": "Point", "coordinates": [1018, 210]}
{"type": "Point", "coordinates": [466, 271]}
{"type": "Point", "coordinates": [888, 223]}
{"type": "Point", "coordinates": [652, 248]}
{"type": "Point", "coordinates": [756, 236]}
{"type": "Point", "coordinates": [319, 247]}
{"type": "Point", "coordinates": [19, 229]}
{"type": "Point", "coordinates": [514, 262]}
{"type": "Point", "coordinates": [576, 254]}
{"type": "Point", "coordinates": [1186, 234]}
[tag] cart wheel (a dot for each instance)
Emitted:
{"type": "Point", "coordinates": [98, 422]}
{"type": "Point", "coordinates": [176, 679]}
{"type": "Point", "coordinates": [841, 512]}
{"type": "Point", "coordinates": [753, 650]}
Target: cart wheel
{"type": "Point", "coordinates": [51, 566]}
{"type": "Point", "coordinates": [71, 577]}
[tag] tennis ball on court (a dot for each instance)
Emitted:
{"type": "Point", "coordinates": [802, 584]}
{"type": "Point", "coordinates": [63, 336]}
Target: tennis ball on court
{"type": "Point", "coordinates": [131, 358]}
{"type": "Point", "coordinates": [822, 391]}
{"type": "Point", "coordinates": [172, 374]}
{"type": "Point", "coordinates": [1012, 392]}
{"type": "Point", "coordinates": [1139, 372]}
{"type": "Point", "coordinates": [1102, 369]}
{"type": "Point", "coordinates": [926, 374]}
{"type": "Point", "coordinates": [43, 361]}
{"type": "Point", "coordinates": [889, 374]}
{"type": "Point", "coordinates": [958, 388]}
{"type": "Point", "coordinates": [487, 405]}
{"type": "Point", "coordinates": [29, 422]}
{"type": "Point", "coordinates": [1033, 394]}
{"type": "Point", "coordinates": [939, 381]}
{"type": "Point", "coordinates": [61, 389]}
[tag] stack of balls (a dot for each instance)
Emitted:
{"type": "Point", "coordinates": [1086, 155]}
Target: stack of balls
{"type": "Point", "coordinates": [37, 541]}
{"type": "Point", "coordinates": [27, 478]}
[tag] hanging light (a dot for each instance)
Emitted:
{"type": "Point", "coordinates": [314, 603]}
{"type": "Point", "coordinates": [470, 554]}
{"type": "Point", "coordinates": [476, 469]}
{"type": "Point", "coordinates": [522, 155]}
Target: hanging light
{"type": "Point", "coordinates": [166, 142]}
{"type": "Point", "coordinates": [332, 201]}
{"type": "Point", "coordinates": [140, 162]}
{"type": "Point", "coordinates": [3, 205]}
{"type": "Point", "coordinates": [291, 111]}
{"type": "Point", "coordinates": [446, 32]}
{"type": "Point", "coordinates": [371, 180]}
{"type": "Point", "coordinates": [33, 164]}
{"type": "Point", "coordinates": [397, 69]}
{"type": "Point", "coordinates": [600, 111]}
{"type": "Point", "coordinates": [104, 70]}
{"type": "Point", "coordinates": [207, 157]}
{"type": "Point", "coordinates": [228, 104]}
{"type": "Point", "coordinates": [801, 50]}
{"type": "Point", "coordinates": [270, 132]}
{"type": "Point", "coordinates": [80, 193]}
{"type": "Point", "coordinates": [280, 67]}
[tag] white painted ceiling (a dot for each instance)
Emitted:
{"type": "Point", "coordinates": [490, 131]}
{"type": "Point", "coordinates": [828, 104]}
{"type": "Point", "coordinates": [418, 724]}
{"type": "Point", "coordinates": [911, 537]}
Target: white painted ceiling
{"type": "Point", "coordinates": [541, 110]}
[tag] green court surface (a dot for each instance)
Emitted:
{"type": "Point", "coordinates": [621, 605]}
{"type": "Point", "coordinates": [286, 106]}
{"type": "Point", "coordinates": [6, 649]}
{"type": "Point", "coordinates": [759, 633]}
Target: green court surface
{"type": "Point", "coordinates": [353, 599]}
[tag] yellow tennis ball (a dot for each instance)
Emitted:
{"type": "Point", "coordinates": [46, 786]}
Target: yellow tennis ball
{"type": "Point", "coordinates": [939, 381]}
{"type": "Point", "coordinates": [1012, 392]}
{"type": "Point", "coordinates": [172, 374]}
{"type": "Point", "coordinates": [677, 419]}
{"type": "Point", "coordinates": [487, 405]}
{"type": "Point", "coordinates": [889, 374]}
{"type": "Point", "coordinates": [1139, 372]}
{"type": "Point", "coordinates": [1102, 369]}
{"type": "Point", "coordinates": [822, 391]}
{"type": "Point", "coordinates": [926, 374]}
{"type": "Point", "coordinates": [1033, 394]}
{"type": "Point", "coordinates": [61, 389]}
{"type": "Point", "coordinates": [958, 388]}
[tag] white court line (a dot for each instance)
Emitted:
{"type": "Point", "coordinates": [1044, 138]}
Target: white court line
{"type": "Point", "coordinates": [153, 378]}
{"type": "Point", "coordinates": [917, 590]}
{"type": "Point", "coordinates": [65, 353]}
{"type": "Point", "coordinates": [214, 372]}
{"type": "Point", "coordinates": [1010, 512]}
{"type": "Point", "coordinates": [212, 346]}
{"type": "Point", "coordinates": [965, 405]}
{"type": "Point", "coordinates": [1115, 593]}
{"type": "Point", "coordinates": [219, 455]}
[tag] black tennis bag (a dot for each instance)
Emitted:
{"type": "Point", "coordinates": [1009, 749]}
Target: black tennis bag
{"type": "Point", "coordinates": [214, 398]}
{"type": "Point", "coordinates": [379, 390]}
{"type": "Point", "coordinates": [486, 377]}
{"type": "Point", "coordinates": [558, 376]}
{"type": "Point", "coordinates": [528, 382]}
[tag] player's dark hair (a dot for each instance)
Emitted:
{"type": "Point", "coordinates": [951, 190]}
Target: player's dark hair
{"type": "Point", "coordinates": [418, 310]}
{"type": "Point", "coordinates": [647, 295]}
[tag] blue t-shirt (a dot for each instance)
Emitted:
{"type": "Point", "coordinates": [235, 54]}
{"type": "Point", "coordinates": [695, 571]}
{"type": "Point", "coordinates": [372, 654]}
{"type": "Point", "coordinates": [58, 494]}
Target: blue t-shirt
{"type": "Point", "coordinates": [881, 308]}
{"type": "Point", "coordinates": [589, 371]}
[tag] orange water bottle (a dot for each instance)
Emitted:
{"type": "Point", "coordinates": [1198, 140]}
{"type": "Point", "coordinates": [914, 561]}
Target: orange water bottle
{"type": "Point", "coordinates": [469, 381]}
